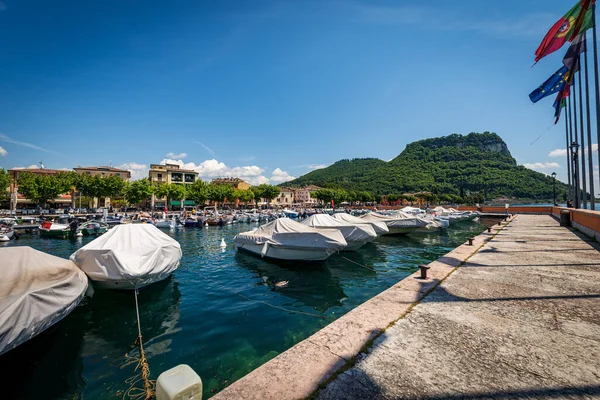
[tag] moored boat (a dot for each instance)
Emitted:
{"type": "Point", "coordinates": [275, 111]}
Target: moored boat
{"type": "Point", "coordinates": [93, 228]}
{"type": "Point", "coordinates": [129, 256]}
{"type": "Point", "coordinates": [397, 224]}
{"type": "Point", "coordinates": [288, 240]}
{"type": "Point", "coordinates": [54, 230]}
{"type": "Point", "coordinates": [356, 236]}
{"type": "Point", "coordinates": [6, 233]}
{"type": "Point", "coordinates": [380, 228]}
{"type": "Point", "coordinates": [37, 290]}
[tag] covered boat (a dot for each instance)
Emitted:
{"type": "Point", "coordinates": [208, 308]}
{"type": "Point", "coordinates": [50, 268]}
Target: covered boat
{"type": "Point", "coordinates": [58, 229]}
{"type": "Point", "coordinates": [129, 256]}
{"type": "Point", "coordinates": [398, 224]}
{"type": "Point", "coordinates": [380, 228]}
{"type": "Point", "coordinates": [284, 239]}
{"type": "Point", "coordinates": [36, 291]}
{"type": "Point", "coordinates": [355, 235]}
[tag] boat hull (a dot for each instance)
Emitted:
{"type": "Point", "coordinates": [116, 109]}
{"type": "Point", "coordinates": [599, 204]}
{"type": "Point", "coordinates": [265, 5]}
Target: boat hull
{"type": "Point", "coordinates": [55, 233]}
{"type": "Point", "coordinates": [129, 285]}
{"type": "Point", "coordinates": [399, 230]}
{"type": "Point", "coordinates": [287, 253]}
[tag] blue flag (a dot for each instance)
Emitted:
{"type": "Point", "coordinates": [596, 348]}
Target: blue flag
{"type": "Point", "coordinates": [551, 86]}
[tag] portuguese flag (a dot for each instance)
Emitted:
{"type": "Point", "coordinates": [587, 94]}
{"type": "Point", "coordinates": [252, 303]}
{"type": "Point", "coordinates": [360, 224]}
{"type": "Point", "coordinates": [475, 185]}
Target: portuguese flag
{"type": "Point", "coordinates": [578, 19]}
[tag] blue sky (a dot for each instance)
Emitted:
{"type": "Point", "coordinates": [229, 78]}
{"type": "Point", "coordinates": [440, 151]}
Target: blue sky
{"type": "Point", "coordinates": [266, 90]}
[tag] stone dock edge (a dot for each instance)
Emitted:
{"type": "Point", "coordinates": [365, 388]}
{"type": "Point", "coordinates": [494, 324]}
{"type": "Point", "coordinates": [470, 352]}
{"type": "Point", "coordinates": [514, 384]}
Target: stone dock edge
{"type": "Point", "coordinates": [304, 369]}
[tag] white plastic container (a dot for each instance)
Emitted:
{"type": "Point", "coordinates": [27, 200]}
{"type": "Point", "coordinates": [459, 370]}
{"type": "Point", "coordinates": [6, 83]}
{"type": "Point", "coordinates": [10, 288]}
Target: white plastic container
{"type": "Point", "coordinates": [179, 383]}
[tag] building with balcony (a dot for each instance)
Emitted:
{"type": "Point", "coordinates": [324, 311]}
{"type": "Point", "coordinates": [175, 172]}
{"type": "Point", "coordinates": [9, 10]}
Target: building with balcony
{"type": "Point", "coordinates": [303, 197]}
{"type": "Point", "coordinates": [286, 197]}
{"type": "Point", "coordinates": [171, 173]}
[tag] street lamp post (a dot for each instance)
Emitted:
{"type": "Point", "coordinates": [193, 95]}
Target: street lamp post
{"type": "Point", "coordinates": [554, 187]}
{"type": "Point", "coordinates": [574, 151]}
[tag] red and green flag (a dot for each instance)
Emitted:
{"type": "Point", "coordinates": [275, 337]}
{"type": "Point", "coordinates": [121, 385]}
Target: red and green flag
{"type": "Point", "coordinates": [578, 19]}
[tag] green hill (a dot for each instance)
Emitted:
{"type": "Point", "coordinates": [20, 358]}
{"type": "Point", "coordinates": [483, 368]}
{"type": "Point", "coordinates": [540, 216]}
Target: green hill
{"type": "Point", "coordinates": [455, 164]}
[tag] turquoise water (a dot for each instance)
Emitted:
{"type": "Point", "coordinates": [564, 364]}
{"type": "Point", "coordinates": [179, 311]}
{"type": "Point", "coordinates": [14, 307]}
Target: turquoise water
{"type": "Point", "coordinates": [220, 312]}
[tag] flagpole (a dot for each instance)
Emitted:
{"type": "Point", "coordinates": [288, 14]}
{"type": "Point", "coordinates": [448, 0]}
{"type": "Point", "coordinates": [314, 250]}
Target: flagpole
{"type": "Point", "coordinates": [596, 79]}
{"type": "Point", "coordinates": [577, 196]}
{"type": "Point", "coordinates": [589, 132]}
{"type": "Point", "coordinates": [569, 155]}
{"type": "Point", "coordinates": [582, 136]}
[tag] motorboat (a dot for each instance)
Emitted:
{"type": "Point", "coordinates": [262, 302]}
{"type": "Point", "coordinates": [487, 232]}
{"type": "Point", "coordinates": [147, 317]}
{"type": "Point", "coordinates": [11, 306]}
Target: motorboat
{"type": "Point", "coordinates": [37, 290]}
{"type": "Point", "coordinates": [398, 224]}
{"type": "Point", "coordinates": [355, 235]}
{"type": "Point", "coordinates": [6, 232]}
{"type": "Point", "coordinates": [59, 229]}
{"type": "Point", "coordinates": [290, 213]}
{"type": "Point", "coordinates": [380, 228]}
{"type": "Point", "coordinates": [129, 256]}
{"type": "Point", "coordinates": [93, 228]}
{"type": "Point", "coordinates": [288, 240]}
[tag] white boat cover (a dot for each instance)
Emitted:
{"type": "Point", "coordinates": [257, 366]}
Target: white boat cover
{"type": "Point", "coordinates": [36, 291]}
{"type": "Point", "coordinates": [379, 227]}
{"type": "Point", "coordinates": [409, 209]}
{"type": "Point", "coordinates": [289, 233]}
{"type": "Point", "coordinates": [351, 232]}
{"type": "Point", "coordinates": [135, 253]}
{"type": "Point", "coordinates": [398, 220]}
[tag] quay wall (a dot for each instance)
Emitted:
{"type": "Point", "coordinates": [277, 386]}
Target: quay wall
{"type": "Point", "coordinates": [586, 221]}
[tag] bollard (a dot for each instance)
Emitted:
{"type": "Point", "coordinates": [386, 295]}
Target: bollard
{"type": "Point", "coordinates": [424, 269]}
{"type": "Point", "coordinates": [489, 230]}
{"type": "Point", "coordinates": [471, 241]}
{"type": "Point", "coordinates": [499, 223]}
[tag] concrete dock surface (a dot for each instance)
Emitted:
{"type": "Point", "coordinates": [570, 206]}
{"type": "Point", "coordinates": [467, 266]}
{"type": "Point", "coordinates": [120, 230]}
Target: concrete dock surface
{"type": "Point", "coordinates": [520, 319]}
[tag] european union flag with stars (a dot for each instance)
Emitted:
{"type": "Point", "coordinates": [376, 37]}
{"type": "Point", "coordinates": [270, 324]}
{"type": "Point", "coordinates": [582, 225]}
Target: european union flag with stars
{"type": "Point", "coordinates": [552, 85]}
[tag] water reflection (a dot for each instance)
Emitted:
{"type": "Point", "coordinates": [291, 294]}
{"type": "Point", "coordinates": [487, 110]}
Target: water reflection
{"type": "Point", "coordinates": [312, 285]}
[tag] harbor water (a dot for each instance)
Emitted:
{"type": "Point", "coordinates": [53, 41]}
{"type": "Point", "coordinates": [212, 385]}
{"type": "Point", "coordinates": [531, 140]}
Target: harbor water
{"type": "Point", "coordinates": [224, 313]}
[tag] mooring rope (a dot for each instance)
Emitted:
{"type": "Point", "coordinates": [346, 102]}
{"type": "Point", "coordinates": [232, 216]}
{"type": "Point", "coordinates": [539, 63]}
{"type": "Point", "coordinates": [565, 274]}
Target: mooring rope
{"type": "Point", "coordinates": [148, 391]}
{"type": "Point", "coordinates": [360, 265]}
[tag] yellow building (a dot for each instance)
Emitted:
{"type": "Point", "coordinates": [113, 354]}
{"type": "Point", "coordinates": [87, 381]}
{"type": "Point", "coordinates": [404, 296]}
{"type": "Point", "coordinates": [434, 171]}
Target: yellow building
{"type": "Point", "coordinates": [171, 173]}
{"type": "Point", "coordinates": [286, 197]}
{"type": "Point", "coordinates": [237, 183]}
{"type": "Point", "coordinates": [104, 171]}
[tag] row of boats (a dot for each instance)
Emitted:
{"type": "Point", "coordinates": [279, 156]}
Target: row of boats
{"type": "Point", "coordinates": [319, 236]}
{"type": "Point", "coordinates": [37, 289]}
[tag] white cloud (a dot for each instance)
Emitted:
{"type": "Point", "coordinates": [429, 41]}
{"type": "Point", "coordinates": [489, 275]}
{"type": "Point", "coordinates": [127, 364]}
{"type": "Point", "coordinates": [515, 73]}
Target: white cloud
{"type": "Point", "coordinates": [138, 171]}
{"type": "Point", "coordinates": [563, 152]}
{"type": "Point", "coordinates": [558, 153]}
{"type": "Point", "coordinates": [280, 176]}
{"type": "Point", "coordinates": [211, 169]}
{"type": "Point", "coordinates": [173, 155]}
{"type": "Point", "coordinates": [539, 165]}
{"type": "Point", "coordinates": [3, 152]}
{"type": "Point", "coordinates": [317, 166]}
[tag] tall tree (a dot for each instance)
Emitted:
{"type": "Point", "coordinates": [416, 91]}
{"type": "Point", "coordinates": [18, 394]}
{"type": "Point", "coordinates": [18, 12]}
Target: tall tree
{"type": "Point", "coordinates": [41, 188]}
{"type": "Point", "coordinates": [198, 192]}
{"type": "Point", "coordinates": [268, 192]}
{"type": "Point", "coordinates": [138, 191]}
{"type": "Point", "coordinates": [4, 183]}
